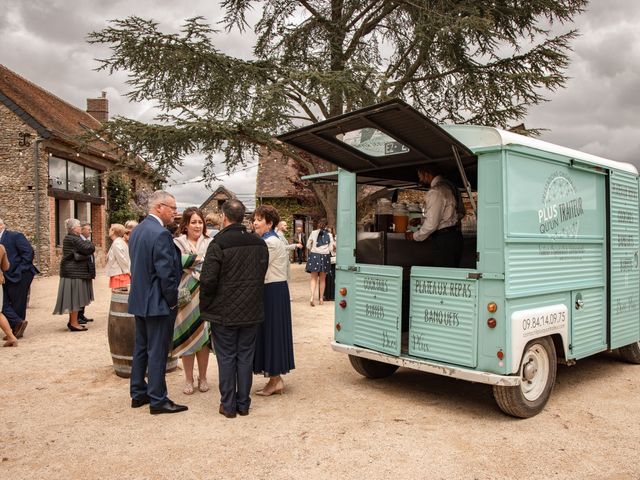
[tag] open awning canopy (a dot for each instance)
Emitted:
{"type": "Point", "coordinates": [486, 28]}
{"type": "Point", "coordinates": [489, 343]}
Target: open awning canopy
{"type": "Point", "coordinates": [384, 144]}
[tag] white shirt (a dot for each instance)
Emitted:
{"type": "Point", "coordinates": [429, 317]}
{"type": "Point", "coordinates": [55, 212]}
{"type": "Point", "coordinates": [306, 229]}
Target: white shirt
{"type": "Point", "coordinates": [439, 210]}
{"type": "Point", "coordinates": [323, 249]}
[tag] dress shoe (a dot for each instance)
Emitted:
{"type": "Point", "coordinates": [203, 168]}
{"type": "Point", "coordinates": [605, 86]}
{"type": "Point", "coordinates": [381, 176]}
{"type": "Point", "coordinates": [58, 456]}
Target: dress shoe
{"type": "Point", "coordinates": [20, 328]}
{"type": "Point", "coordinates": [137, 403]}
{"type": "Point", "coordinates": [81, 321]}
{"type": "Point", "coordinates": [84, 319]}
{"type": "Point", "coordinates": [226, 414]}
{"type": "Point", "coordinates": [271, 389]}
{"type": "Point", "coordinates": [168, 407]}
{"type": "Point", "coordinates": [73, 328]}
{"type": "Point", "coordinates": [243, 413]}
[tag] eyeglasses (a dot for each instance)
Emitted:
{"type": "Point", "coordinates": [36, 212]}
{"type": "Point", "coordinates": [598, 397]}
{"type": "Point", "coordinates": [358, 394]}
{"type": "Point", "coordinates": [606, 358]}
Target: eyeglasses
{"type": "Point", "coordinates": [175, 209]}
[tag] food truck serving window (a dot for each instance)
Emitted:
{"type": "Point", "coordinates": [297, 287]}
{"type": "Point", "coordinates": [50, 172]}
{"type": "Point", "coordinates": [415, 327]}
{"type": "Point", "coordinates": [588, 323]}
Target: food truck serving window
{"type": "Point", "coordinates": [373, 142]}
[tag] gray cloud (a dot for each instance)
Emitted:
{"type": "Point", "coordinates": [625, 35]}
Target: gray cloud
{"type": "Point", "coordinates": [45, 41]}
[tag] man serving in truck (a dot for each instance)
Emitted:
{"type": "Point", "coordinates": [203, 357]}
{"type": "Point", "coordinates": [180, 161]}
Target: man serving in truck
{"type": "Point", "coordinates": [443, 210]}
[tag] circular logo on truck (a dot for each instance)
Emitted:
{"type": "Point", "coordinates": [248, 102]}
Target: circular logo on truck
{"type": "Point", "coordinates": [561, 209]}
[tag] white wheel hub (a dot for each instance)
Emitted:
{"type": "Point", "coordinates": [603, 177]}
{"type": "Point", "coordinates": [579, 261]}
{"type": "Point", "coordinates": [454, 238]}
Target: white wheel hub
{"type": "Point", "coordinates": [534, 372]}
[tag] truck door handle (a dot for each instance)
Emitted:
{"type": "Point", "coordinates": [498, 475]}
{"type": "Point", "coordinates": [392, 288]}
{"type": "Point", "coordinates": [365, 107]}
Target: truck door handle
{"type": "Point", "coordinates": [579, 304]}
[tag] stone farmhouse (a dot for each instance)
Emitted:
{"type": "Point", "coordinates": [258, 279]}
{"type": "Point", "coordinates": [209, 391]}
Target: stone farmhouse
{"type": "Point", "coordinates": [47, 174]}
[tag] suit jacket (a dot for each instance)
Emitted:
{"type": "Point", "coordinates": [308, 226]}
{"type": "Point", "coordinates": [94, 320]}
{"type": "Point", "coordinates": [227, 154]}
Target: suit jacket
{"type": "Point", "coordinates": [20, 254]}
{"type": "Point", "coordinates": [155, 270]}
{"type": "Point", "coordinates": [303, 238]}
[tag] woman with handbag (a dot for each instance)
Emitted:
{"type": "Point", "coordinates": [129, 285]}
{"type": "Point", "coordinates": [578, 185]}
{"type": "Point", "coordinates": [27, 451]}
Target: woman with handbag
{"type": "Point", "coordinates": [191, 335]}
{"type": "Point", "coordinates": [320, 245]}
{"type": "Point", "coordinates": [75, 289]}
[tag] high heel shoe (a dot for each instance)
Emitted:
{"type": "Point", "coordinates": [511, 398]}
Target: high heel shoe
{"type": "Point", "coordinates": [75, 329]}
{"type": "Point", "coordinates": [311, 303]}
{"type": "Point", "coordinates": [267, 392]}
{"type": "Point", "coordinates": [188, 388]}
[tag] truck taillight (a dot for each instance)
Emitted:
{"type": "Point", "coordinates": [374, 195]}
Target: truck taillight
{"type": "Point", "coordinates": [343, 292]}
{"type": "Point", "coordinates": [500, 354]}
{"type": "Point", "coordinates": [343, 303]}
{"type": "Point", "coordinates": [492, 307]}
{"type": "Point", "coordinates": [338, 326]}
{"type": "Point", "coordinates": [491, 323]}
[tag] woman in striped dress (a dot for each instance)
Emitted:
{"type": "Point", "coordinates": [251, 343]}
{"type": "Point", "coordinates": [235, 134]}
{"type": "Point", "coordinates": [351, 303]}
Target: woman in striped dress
{"type": "Point", "coordinates": [191, 335]}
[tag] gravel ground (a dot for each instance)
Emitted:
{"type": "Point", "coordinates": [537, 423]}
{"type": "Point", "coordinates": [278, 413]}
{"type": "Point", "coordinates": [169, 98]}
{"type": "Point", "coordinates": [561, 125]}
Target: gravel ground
{"type": "Point", "coordinates": [65, 414]}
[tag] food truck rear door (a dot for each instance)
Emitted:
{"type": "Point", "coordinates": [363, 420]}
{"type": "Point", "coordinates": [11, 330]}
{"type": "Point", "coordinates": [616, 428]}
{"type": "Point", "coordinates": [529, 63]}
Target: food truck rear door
{"type": "Point", "coordinates": [378, 310]}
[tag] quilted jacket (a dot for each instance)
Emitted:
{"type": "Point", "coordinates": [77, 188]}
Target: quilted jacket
{"type": "Point", "coordinates": [232, 278]}
{"type": "Point", "coordinates": [76, 258]}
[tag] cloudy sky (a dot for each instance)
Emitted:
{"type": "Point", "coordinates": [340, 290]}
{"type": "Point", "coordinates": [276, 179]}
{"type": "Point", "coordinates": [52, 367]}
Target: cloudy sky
{"type": "Point", "coordinates": [597, 112]}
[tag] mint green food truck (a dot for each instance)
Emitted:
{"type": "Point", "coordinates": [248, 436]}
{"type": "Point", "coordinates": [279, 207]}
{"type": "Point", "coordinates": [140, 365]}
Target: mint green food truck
{"type": "Point", "coordinates": [549, 270]}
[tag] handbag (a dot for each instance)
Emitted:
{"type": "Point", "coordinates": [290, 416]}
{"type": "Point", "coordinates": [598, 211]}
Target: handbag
{"type": "Point", "coordinates": [184, 297]}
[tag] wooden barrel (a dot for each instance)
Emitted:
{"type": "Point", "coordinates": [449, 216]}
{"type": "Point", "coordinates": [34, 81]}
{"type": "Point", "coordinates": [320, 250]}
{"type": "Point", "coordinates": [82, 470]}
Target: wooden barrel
{"type": "Point", "coordinates": [122, 335]}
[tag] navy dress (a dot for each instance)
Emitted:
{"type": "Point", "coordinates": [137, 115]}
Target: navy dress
{"type": "Point", "coordinates": [274, 345]}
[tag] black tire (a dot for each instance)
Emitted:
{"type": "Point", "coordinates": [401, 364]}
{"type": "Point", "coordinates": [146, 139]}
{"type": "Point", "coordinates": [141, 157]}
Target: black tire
{"type": "Point", "coordinates": [538, 373]}
{"type": "Point", "coordinates": [631, 353]}
{"type": "Point", "coordinates": [371, 368]}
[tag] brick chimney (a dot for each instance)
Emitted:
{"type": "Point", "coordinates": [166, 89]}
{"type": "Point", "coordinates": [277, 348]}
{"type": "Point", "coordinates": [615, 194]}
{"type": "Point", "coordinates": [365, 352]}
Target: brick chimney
{"type": "Point", "coordinates": [98, 108]}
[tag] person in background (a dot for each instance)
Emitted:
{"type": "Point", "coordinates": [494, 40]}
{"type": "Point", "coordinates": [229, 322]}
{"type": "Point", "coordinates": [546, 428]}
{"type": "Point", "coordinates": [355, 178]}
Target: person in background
{"type": "Point", "coordinates": [231, 300]}
{"type": "Point", "coordinates": [17, 280]}
{"type": "Point", "coordinates": [320, 246]}
{"type": "Point", "coordinates": [85, 234]}
{"type": "Point", "coordinates": [128, 228]}
{"type": "Point", "coordinates": [118, 267]}
{"type": "Point", "coordinates": [213, 223]}
{"type": "Point", "coordinates": [191, 335]}
{"type": "Point", "coordinates": [274, 347]}
{"type": "Point", "coordinates": [281, 230]}
{"type": "Point", "coordinates": [75, 289]}
{"type": "Point", "coordinates": [330, 282]}
{"type": "Point", "coordinates": [153, 299]}
{"type": "Point", "coordinates": [443, 211]}
{"type": "Point", "coordinates": [300, 239]}
{"type": "Point", "coordinates": [9, 337]}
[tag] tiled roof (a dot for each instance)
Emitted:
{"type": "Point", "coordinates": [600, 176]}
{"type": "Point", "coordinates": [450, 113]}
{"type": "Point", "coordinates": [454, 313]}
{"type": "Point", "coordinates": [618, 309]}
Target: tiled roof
{"type": "Point", "coordinates": [49, 115]}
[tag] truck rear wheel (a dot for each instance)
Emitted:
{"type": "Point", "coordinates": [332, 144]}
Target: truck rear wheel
{"type": "Point", "coordinates": [538, 374]}
{"type": "Point", "coordinates": [371, 368]}
{"type": "Point", "coordinates": [630, 353]}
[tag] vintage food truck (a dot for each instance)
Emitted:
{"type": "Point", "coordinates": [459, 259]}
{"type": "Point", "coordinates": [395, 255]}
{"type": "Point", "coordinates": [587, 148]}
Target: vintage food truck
{"type": "Point", "coordinates": [549, 271]}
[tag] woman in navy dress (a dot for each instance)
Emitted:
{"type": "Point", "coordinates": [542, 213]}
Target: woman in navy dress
{"type": "Point", "coordinates": [274, 346]}
{"type": "Point", "coordinates": [320, 245]}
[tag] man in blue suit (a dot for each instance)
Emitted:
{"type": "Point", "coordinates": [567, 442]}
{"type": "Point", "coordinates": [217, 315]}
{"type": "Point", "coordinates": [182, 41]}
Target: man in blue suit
{"type": "Point", "coordinates": [153, 299]}
{"type": "Point", "coordinates": [17, 279]}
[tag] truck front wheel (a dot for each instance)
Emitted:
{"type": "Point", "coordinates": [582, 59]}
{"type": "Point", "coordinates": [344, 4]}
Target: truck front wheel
{"type": "Point", "coordinates": [630, 353]}
{"type": "Point", "coordinates": [371, 368]}
{"type": "Point", "coordinates": [538, 376]}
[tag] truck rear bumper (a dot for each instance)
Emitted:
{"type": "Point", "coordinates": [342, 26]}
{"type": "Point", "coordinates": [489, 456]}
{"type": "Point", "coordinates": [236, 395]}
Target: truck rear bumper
{"type": "Point", "coordinates": [430, 367]}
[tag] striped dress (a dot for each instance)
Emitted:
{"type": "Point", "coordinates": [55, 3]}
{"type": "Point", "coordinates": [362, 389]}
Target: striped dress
{"type": "Point", "coordinates": [190, 333]}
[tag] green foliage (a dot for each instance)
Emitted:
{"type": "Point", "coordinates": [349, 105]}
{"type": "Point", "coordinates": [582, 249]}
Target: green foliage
{"type": "Point", "coordinates": [119, 196]}
{"type": "Point", "coordinates": [459, 61]}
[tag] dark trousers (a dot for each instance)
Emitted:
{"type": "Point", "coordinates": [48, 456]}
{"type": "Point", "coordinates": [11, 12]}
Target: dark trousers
{"type": "Point", "coordinates": [299, 254]}
{"type": "Point", "coordinates": [446, 247]}
{"type": "Point", "coordinates": [153, 337]}
{"type": "Point", "coordinates": [14, 300]}
{"type": "Point", "coordinates": [234, 349]}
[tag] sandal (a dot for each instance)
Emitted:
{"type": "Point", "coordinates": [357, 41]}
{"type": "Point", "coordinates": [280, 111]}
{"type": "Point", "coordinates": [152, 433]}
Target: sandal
{"type": "Point", "coordinates": [11, 343]}
{"type": "Point", "coordinates": [188, 388]}
{"type": "Point", "coordinates": [203, 386]}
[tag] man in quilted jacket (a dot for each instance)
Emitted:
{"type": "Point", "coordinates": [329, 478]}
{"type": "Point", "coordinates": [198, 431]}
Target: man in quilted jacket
{"type": "Point", "coordinates": [231, 291]}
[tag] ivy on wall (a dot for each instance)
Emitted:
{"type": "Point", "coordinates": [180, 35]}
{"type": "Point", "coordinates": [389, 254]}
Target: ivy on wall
{"type": "Point", "coordinates": [119, 196]}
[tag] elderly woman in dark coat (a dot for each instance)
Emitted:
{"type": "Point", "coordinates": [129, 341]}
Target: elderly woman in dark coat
{"type": "Point", "coordinates": [75, 289]}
